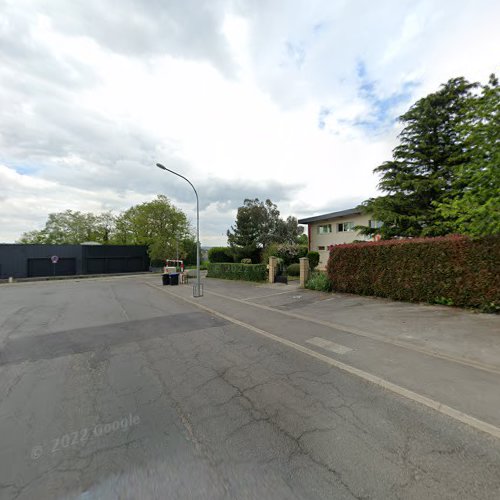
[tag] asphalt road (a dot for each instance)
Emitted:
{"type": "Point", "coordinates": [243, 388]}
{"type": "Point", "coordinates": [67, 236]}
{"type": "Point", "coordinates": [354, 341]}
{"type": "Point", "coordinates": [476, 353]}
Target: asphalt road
{"type": "Point", "coordinates": [110, 388]}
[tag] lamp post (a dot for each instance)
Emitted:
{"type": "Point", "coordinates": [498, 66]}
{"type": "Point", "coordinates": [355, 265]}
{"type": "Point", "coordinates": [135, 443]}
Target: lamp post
{"type": "Point", "coordinates": [197, 290]}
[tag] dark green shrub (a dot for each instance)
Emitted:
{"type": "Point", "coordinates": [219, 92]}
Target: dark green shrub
{"type": "Point", "coordinates": [248, 252]}
{"type": "Point", "coordinates": [319, 281]}
{"type": "Point", "coordinates": [289, 253]}
{"type": "Point", "coordinates": [270, 251]}
{"type": "Point", "coordinates": [303, 251]}
{"type": "Point", "coordinates": [246, 261]}
{"type": "Point", "coordinates": [246, 272]}
{"type": "Point", "coordinates": [220, 254]}
{"type": "Point", "coordinates": [157, 263]}
{"type": "Point", "coordinates": [313, 259]}
{"type": "Point", "coordinates": [452, 270]}
{"type": "Point", "coordinates": [293, 270]}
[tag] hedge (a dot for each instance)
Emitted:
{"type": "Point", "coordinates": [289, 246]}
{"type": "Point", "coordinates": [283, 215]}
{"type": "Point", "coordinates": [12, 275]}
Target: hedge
{"type": "Point", "coordinates": [452, 270]}
{"type": "Point", "coordinates": [246, 272]}
{"type": "Point", "coordinates": [220, 254]}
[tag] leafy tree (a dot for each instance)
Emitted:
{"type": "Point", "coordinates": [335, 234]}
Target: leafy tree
{"type": "Point", "coordinates": [188, 254]}
{"type": "Point", "coordinates": [105, 225]}
{"type": "Point", "coordinates": [422, 172]}
{"type": "Point", "coordinates": [157, 224]}
{"type": "Point", "coordinates": [72, 227]}
{"type": "Point", "coordinates": [288, 231]}
{"type": "Point", "coordinates": [302, 239]}
{"type": "Point", "coordinates": [473, 205]}
{"type": "Point", "coordinates": [258, 224]}
{"type": "Point", "coordinates": [35, 236]}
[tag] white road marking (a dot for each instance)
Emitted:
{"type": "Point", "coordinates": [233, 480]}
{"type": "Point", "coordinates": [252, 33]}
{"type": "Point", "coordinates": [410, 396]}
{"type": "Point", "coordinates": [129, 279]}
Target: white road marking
{"type": "Point", "coordinates": [373, 336]}
{"type": "Point", "coordinates": [458, 415]}
{"type": "Point", "coordinates": [270, 295]}
{"type": "Point", "coordinates": [328, 345]}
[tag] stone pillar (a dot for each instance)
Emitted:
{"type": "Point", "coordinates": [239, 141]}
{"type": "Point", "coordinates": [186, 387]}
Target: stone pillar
{"type": "Point", "coordinates": [273, 268]}
{"type": "Point", "coordinates": [304, 271]}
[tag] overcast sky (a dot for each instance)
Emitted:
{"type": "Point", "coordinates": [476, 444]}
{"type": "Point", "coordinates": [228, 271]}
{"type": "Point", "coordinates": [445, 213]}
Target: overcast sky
{"type": "Point", "coordinates": [292, 100]}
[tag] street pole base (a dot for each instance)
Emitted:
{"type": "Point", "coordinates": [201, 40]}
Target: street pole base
{"type": "Point", "coordinates": [198, 290]}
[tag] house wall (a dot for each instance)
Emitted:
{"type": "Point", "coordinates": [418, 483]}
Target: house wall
{"type": "Point", "coordinates": [335, 237]}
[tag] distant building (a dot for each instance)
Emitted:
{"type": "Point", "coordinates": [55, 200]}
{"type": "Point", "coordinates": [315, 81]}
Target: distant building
{"type": "Point", "coordinates": [335, 228]}
{"type": "Point", "coordinates": [24, 261]}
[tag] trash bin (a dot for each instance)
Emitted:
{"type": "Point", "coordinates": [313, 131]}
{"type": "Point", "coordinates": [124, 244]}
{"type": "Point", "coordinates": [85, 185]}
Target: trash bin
{"type": "Point", "coordinates": [174, 278]}
{"type": "Point", "coordinates": [165, 278]}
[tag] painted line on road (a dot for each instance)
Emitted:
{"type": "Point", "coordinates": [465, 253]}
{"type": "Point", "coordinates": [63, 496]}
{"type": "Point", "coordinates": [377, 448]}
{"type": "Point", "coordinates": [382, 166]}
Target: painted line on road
{"type": "Point", "coordinates": [328, 345]}
{"type": "Point", "coordinates": [270, 295]}
{"type": "Point", "coordinates": [374, 379]}
{"type": "Point", "coordinates": [369, 335]}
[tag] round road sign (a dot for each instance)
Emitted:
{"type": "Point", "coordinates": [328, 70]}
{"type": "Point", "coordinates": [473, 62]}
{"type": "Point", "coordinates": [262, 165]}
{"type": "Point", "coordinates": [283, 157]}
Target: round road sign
{"type": "Point", "coordinates": [54, 259]}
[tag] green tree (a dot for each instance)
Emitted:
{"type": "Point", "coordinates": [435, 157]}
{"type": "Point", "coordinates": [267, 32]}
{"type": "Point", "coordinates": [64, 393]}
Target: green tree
{"type": "Point", "coordinates": [288, 231]}
{"type": "Point", "coordinates": [473, 205]}
{"type": "Point", "coordinates": [258, 224]}
{"type": "Point", "coordinates": [72, 227]}
{"type": "Point", "coordinates": [188, 255]}
{"type": "Point", "coordinates": [30, 237]}
{"type": "Point", "coordinates": [158, 224]}
{"type": "Point", "coordinates": [302, 239]}
{"type": "Point", "coordinates": [423, 169]}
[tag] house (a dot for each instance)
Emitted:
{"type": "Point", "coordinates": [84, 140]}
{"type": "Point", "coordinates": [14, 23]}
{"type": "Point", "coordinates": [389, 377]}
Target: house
{"type": "Point", "coordinates": [335, 228]}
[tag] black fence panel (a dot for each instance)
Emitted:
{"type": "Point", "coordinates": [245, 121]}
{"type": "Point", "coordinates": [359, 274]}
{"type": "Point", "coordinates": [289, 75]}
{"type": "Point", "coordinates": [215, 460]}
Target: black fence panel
{"type": "Point", "coordinates": [45, 267]}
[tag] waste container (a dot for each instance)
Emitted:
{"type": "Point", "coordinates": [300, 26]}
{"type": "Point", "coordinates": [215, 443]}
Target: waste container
{"type": "Point", "coordinates": [165, 278]}
{"type": "Point", "coordinates": [174, 278]}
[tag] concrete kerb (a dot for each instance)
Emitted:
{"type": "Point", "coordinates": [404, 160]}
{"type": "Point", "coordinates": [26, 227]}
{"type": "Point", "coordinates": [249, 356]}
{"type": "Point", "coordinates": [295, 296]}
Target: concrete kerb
{"type": "Point", "coordinates": [458, 415]}
{"type": "Point", "coordinates": [44, 279]}
{"type": "Point", "coordinates": [369, 335]}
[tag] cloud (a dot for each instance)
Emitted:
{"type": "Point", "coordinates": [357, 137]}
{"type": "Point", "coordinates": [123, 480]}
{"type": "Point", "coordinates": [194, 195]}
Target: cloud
{"type": "Point", "coordinates": [186, 29]}
{"type": "Point", "coordinates": [291, 101]}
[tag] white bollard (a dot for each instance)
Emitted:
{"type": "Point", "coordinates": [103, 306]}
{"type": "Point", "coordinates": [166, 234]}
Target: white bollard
{"type": "Point", "coordinates": [11, 279]}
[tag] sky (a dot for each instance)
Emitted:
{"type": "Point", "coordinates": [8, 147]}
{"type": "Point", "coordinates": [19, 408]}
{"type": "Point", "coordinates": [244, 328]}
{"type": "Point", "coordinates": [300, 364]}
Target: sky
{"type": "Point", "coordinates": [296, 101]}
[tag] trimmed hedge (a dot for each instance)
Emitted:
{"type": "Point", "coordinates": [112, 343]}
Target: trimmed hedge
{"type": "Point", "coordinates": [453, 270]}
{"type": "Point", "coordinates": [246, 272]}
{"type": "Point", "coordinates": [220, 254]}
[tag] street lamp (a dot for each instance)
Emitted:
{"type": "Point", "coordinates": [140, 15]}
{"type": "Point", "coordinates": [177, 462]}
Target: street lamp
{"type": "Point", "coordinates": [197, 289]}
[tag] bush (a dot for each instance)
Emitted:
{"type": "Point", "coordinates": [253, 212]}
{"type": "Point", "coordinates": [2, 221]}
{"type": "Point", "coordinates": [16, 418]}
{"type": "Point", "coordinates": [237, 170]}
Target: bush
{"type": "Point", "coordinates": [313, 259]}
{"type": "Point", "coordinates": [220, 254]}
{"type": "Point", "coordinates": [291, 253]}
{"type": "Point", "coordinates": [246, 272]}
{"type": "Point", "coordinates": [319, 281]}
{"type": "Point", "coordinates": [288, 252]}
{"type": "Point", "coordinates": [248, 252]}
{"type": "Point", "coordinates": [270, 251]}
{"type": "Point", "coordinates": [453, 270]}
{"type": "Point", "coordinates": [246, 261]}
{"type": "Point", "coordinates": [293, 270]}
{"type": "Point", "coordinates": [157, 263]}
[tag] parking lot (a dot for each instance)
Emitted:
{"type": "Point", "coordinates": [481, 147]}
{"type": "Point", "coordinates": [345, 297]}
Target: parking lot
{"type": "Point", "coordinates": [121, 386]}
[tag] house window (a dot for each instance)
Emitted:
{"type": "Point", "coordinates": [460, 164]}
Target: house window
{"type": "Point", "coordinates": [321, 248]}
{"type": "Point", "coordinates": [374, 224]}
{"type": "Point", "coordinates": [327, 228]}
{"type": "Point", "coordinates": [343, 227]}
